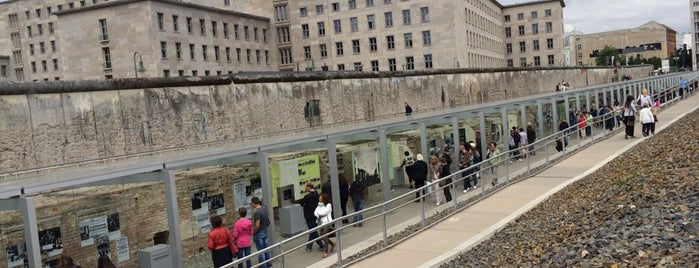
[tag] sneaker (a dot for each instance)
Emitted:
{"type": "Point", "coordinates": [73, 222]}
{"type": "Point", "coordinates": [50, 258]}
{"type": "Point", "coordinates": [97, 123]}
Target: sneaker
{"type": "Point", "coordinates": [438, 203]}
{"type": "Point", "coordinates": [308, 250]}
{"type": "Point", "coordinates": [520, 160]}
{"type": "Point", "coordinates": [465, 191]}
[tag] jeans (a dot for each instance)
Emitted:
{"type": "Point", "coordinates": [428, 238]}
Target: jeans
{"type": "Point", "coordinates": [260, 239]}
{"type": "Point", "coordinates": [358, 206]}
{"type": "Point", "coordinates": [242, 252]}
{"type": "Point", "coordinates": [424, 191]}
{"type": "Point", "coordinates": [312, 224]}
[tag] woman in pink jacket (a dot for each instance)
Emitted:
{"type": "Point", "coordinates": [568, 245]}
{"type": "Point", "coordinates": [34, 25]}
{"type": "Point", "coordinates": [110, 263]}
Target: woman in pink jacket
{"type": "Point", "coordinates": [241, 233]}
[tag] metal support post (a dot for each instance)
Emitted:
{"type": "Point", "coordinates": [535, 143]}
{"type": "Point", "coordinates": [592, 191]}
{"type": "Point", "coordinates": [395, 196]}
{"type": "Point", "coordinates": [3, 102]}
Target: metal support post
{"type": "Point", "coordinates": [484, 145]}
{"type": "Point", "coordinates": [455, 132]}
{"type": "Point", "coordinates": [540, 118]}
{"type": "Point", "coordinates": [505, 127]}
{"type": "Point", "coordinates": [31, 230]}
{"type": "Point", "coordinates": [554, 116]}
{"type": "Point", "coordinates": [335, 189]}
{"type": "Point", "coordinates": [383, 168]}
{"type": "Point", "coordinates": [266, 181]}
{"type": "Point", "coordinates": [577, 102]}
{"type": "Point", "coordinates": [523, 115]}
{"type": "Point", "coordinates": [173, 218]}
{"type": "Point", "coordinates": [423, 140]}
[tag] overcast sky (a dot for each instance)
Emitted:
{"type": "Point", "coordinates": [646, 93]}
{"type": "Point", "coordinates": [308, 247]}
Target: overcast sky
{"type": "Point", "coordinates": [592, 16]}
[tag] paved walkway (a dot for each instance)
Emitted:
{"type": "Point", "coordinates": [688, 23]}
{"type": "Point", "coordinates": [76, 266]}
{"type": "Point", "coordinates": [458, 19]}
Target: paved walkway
{"type": "Point", "coordinates": [460, 232]}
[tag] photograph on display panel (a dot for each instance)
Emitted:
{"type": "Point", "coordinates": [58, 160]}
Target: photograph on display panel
{"type": "Point", "coordinates": [51, 242]}
{"type": "Point", "coordinates": [16, 255]}
{"type": "Point", "coordinates": [366, 164]}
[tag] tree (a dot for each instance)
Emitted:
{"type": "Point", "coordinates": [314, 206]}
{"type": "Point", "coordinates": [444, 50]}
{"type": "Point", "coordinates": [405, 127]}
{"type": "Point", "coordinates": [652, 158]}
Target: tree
{"type": "Point", "coordinates": [604, 57]}
{"type": "Point", "coordinates": [657, 62]}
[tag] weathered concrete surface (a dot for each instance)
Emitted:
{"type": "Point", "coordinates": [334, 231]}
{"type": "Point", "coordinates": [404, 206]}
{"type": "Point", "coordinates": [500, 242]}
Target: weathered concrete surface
{"type": "Point", "coordinates": [67, 123]}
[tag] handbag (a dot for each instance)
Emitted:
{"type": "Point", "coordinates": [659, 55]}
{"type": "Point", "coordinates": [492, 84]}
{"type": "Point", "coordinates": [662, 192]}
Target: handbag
{"type": "Point", "coordinates": [629, 122]}
{"type": "Point", "coordinates": [442, 183]}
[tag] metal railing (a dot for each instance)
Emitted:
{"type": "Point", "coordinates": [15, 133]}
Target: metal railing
{"type": "Point", "coordinates": [507, 159]}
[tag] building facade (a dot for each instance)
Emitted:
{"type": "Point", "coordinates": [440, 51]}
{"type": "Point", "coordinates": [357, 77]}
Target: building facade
{"type": "Point", "coordinates": [694, 17]}
{"type": "Point", "coordinates": [534, 34]}
{"type": "Point", "coordinates": [649, 40]}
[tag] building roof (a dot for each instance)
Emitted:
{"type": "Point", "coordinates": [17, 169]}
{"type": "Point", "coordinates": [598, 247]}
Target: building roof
{"type": "Point", "coordinates": [650, 24]}
{"type": "Point", "coordinates": [171, 2]}
{"type": "Point", "coordinates": [563, 4]}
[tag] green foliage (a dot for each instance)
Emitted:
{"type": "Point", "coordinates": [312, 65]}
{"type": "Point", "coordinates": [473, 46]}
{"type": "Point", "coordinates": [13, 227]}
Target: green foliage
{"type": "Point", "coordinates": [604, 57]}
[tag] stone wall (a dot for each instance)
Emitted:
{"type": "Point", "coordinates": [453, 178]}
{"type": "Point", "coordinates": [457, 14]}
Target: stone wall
{"type": "Point", "coordinates": [54, 123]}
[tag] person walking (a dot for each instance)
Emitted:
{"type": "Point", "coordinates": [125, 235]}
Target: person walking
{"type": "Point", "coordinates": [524, 140]}
{"type": "Point", "coordinates": [531, 138]}
{"type": "Point", "coordinates": [464, 163]}
{"type": "Point", "coordinates": [260, 224]}
{"type": "Point", "coordinates": [563, 126]}
{"type": "Point", "coordinates": [435, 169]}
{"type": "Point", "coordinates": [444, 173]}
{"type": "Point", "coordinates": [324, 214]}
{"type": "Point", "coordinates": [242, 232]}
{"type": "Point", "coordinates": [221, 243]}
{"type": "Point", "coordinates": [420, 170]}
{"type": "Point", "coordinates": [644, 98]}
{"type": "Point", "coordinates": [629, 117]}
{"type": "Point", "coordinates": [408, 109]}
{"type": "Point", "coordinates": [344, 195]}
{"type": "Point", "coordinates": [408, 161]}
{"type": "Point", "coordinates": [357, 191]}
{"type": "Point", "coordinates": [646, 118]}
{"type": "Point", "coordinates": [309, 204]}
{"type": "Point", "coordinates": [493, 157]}
{"type": "Point", "coordinates": [475, 161]}
{"type": "Point", "coordinates": [582, 124]}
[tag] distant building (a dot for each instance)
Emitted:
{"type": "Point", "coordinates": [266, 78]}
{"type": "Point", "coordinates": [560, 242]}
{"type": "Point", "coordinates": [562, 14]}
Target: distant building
{"type": "Point", "coordinates": [534, 34]}
{"type": "Point", "coordinates": [648, 40]}
{"type": "Point", "coordinates": [694, 18]}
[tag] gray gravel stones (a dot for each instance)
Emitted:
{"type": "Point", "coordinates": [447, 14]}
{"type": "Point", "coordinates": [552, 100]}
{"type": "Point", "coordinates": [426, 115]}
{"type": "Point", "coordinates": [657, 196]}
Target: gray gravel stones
{"type": "Point", "coordinates": [639, 210]}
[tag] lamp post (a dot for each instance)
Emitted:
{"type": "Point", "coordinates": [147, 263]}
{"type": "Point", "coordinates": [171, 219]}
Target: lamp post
{"type": "Point", "coordinates": [140, 68]}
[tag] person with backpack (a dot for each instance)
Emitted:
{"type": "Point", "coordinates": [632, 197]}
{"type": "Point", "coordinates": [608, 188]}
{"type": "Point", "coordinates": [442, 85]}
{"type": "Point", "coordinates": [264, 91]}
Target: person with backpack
{"type": "Point", "coordinates": [309, 204]}
{"type": "Point", "coordinates": [407, 162]}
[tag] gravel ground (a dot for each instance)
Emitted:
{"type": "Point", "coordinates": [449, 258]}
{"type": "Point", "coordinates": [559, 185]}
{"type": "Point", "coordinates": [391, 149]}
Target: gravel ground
{"type": "Point", "coordinates": [639, 210]}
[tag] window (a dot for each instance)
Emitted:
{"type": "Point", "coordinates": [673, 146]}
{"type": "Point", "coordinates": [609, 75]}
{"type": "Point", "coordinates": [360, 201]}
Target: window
{"type": "Point", "coordinates": [534, 15]}
{"type": "Point", "coordinates": [547, 12]}
{"type": "Point", "coordinates": [189, 25]}
{"type": "Point", "coordinates": [235, 31]}
{"type": "Point", "coordinates": [535, 28]}
{"type": "Point", "coordinates": [356, 47]}
{"type": "Point", "coordinates": [408, 37]}
{"type": "Point", "coordinates": [257, 56]}
{"type": "Point", "coordinates": [71, 5]}
{"type": "Point", "coordinates": [409, 63]}
{"type": "Point", "coordinates": [202, 27]}
{"type": "Point", "coordinates": [406, 16]}
{"type": "Point", "coordinates": [305, 31]}
{"type": "Point", "coordinates": [51, 28]}
{"type": "Point", "coordinates": [537, 61]}
{"type": "Point", "coordinates": [370, 3]}
{"type": "Point", "coordinates": [522, 46]}
{"type": "Point", "coordinates": [550, 57]}
{"type": "Point", "coordinates": [107, 58]}
{"type": "Point", "coordinates": [237, 54]}
{"type": "Point", "coordinates": [191, 52]}
{"type": "Point", "coordinates": [13, 21]}
{"type": "Point", "coordinates": [3, 70]}
{"type": "Point", "coordinates": [428, 61]}
{"type": "Point", "coordinates": [55, 64]}
{"type": "Point", "coordinates": [59, 7]}
{"type": "Point", "coordinates": [284, 35]}
{"type": "Point", "coordinates": [521, 30]}
{"type": "Point", "coordinates": [340, 67]}
{"type": "Point", "coordinates": [214, 28]}
{"type": "Point", "coordinates": [338, 26]}
{"type": "Point", "coordinates": [207, 72]}
{"type": "Point", "coordinates": [386, 1]}
{"type": "Point", "coordinates": [29, 31]}
{"type": "Point", "coordinates": [166, 73]}
{"type": "Point", "coordinates": [371, 21]}
{"type": "Point", "coordinates": [426, 38]}
{"type": "Point", "coordinates": [40, 29]}
{"type": "Point", "coordinates": [82, 3]}
{"type": "Point", "coordinates": [307, 52]}
{"type": "Point", "coordinates": [353, 24]}
{"type": "Point", "coordinates": [225, 30]}
{"type": "Point", "coordinates": [33, 64]}
{"type": "Point", "coordinates": [17, 56]}
{"type": "Point", "coordinates": [226, 2]}
{"type": "Point", "coordinates": [194, 72]}
{"type": "Point", "coordinates": [358, 66]}
{"type": "Point", "coordinates": [338, 49]}
{"type": "Point", "coordinates": [264, 35]}
{"type": "Point", "coordinates": [15, 40]}
{"type": "Point", "coordinates": [520, 16]}
{"type": "Point", "coordinates": [44, 66]}
{"type": "Point", "coordinates": [352, 4]}
{"type": "Point", "coordinates": [373, 46]}
{"type": "Point", "coordinates": [535, 45]}
{"type": "Point", "coordinates": [161, 25]}
{"type": "Point", "coordinates": [248, 56]}
{"type": "Point", "coordinates": [217, 56]}
{"type": "Point", "coordinates": [53, 46]}
{"type": "Point", "coordinates": [31, 49]}
{"type": "Point", "coordinates": [303, 11]}
{"type": "Point", "coordinates": [38, 13]}
{"type": "Point", "coordinates": [336, 7]}
{"type": "Point", "coordinates": [178, 50]}
{"type": "Point", "coordinates": [392, 65]}
{"type": "Point", "coordinates": [509, 47]}
{"type": "Point", "coordinates": [323, 50]}
{"type": "Point", "coordinates": [180, 73]}
{"type": "Point", "coordinates": [321, 28]}
{"type": "Point", "coordinates": [374, 66]}
{"type": "Point", "coordinates": [163, 50]}
{"type": "Point", "coordinates": [549, 27]}
{"type": "Point", "coordinates": [549, 43]}
{"type": "Point", "coordinates": [507, 17]}
{"type": "Point", "coordinates": [523, 62]}
{"type": "Point", "coordinates": [508, 32]}
{"type": "Point", "coordinates": [319, 9]}
{"type": "Point", "coordinates": [246, 32]}
{"type": "Point", "coordinates": [228, 54]}
{"type": "Point", "coordinates": [42, 48]}
{"type": "Point", "coordinates": [48, 10]}
{"type": "Point", "coordinates": [204, 48]}
{"type": "Point", "coordinates": [281, 13]}
{"type": "Point", "coordinates": [390, 42]}
{"type": "Point", "coordinates": [424, 14]}
{"type": "Point", "coordinates": [267, 56]}
{"type": "Point", "coordinates": [254, 34]}
{"type": "Point", "coordinates": [388, 16]}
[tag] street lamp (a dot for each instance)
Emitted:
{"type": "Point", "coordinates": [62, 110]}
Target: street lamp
{"type": "Point", "coordinates": [140, 68]}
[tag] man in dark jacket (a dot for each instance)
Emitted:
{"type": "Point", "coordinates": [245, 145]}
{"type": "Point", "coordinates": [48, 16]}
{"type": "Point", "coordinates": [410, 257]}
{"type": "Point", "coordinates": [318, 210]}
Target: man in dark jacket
{"type": "Point", "coordinates": [309, 204]}
{"type": "Point", "coordinates": [420, 171]}
{"type": "Point", "coordinates": [356, 191]}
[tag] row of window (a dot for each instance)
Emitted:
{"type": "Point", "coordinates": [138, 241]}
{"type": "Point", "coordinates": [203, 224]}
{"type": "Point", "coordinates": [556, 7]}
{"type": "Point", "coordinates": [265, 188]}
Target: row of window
{"type": "Point", "coordinates": [41, 47]}
{"type": "Point", "coordinates": [424, 14]}
{"type": "Point", "coordinates": [218, 53]}
{"type": "Point", "coordinates": [536, 62]}
{"type": "Point", "coordinates": [337, 26]}
{"type": "Point", "coordinates": [189, 24]}
{"type": "Point", "coordinates": [534, 15]}
{"type": "Point", "coordinates": [485, 7]}
{"type": "Point", "coordinates": [535, 45]}
{"type": "Point", "coordinates": [40, 29]}
{"type": "Point", "coordinates": [181, 73]}
{"type": "Point", "coordinates": [49, 10]}
{"type": "Point", "coordinates": [373, 45]}
{"type": "Point", "coordinates": [393, 64]}
{"type": "Point", "coordinates": [44, 65]}
{"type": "Point", "coordinates": [535, 29]}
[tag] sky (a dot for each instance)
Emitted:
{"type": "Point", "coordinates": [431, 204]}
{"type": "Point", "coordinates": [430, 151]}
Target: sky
{"type": "Point", "coordinates": [593, 16]}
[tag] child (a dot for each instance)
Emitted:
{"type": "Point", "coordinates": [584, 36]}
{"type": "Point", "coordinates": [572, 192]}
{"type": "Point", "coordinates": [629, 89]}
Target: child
{"type": "Point", "coordinates": [646, 119]}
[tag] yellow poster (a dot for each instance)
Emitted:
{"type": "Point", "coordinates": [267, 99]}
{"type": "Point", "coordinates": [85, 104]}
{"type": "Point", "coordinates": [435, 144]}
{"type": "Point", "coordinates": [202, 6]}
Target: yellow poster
{"type": "Point", "coordinates": [295, 172]}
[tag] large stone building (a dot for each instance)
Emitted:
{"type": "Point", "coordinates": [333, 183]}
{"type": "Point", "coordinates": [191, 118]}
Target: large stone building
{"type": "Point", "coordinates": [534, 33]}
{"type": "Point", "coordinates": [59, 39]}
{"type": "Point", "coordinates": [648, 40]}
{"type": "Point", "coordinates": [694, 9]}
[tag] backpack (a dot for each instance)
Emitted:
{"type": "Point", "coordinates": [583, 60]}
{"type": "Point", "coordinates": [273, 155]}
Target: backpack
{"type": "Point", "coordinates": [409, 160]}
